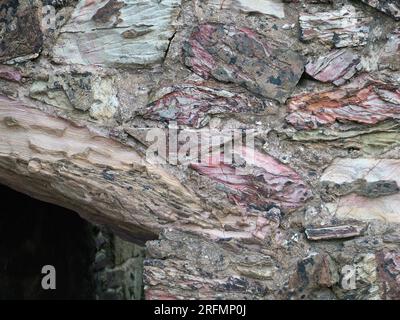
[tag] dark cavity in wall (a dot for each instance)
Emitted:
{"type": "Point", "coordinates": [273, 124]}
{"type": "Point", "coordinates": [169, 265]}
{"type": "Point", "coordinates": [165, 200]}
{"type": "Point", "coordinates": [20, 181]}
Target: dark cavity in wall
{"type": "Point", "coordinates": [34, 234]}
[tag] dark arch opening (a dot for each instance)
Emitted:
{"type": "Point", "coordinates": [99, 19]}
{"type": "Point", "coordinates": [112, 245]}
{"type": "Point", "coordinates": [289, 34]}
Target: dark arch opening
{"type": "Point", "coordinates": [87, 259]}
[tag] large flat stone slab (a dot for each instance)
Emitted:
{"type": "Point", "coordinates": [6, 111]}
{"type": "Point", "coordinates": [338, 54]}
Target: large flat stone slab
{"type": "Point", "coordinates": [117, 33]}
{"type": "Point", "coordinates": [262, 65]}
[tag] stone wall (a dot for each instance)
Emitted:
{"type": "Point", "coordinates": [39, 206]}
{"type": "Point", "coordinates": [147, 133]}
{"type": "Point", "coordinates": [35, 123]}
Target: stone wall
{"type": "Point", "coordinates": [311, 210]}
{"type": "Point", "coordinates": [118, 268]}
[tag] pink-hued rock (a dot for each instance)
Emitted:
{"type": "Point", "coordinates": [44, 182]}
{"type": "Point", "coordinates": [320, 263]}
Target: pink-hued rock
{"type": "Point", "coordinates": [337, 66]}
{"type": "Point", "coordinates": [10, 73]}
{"type": "Point", "coordinates": [389, 273]}
{"type": "Point", "coordinates": [261, 183]}
{"type": "Point", "coordinates": [192, 105]}
{"type": "Point", "coordinates": [240, 55]}
{"type": "Point", "coordinates": [364, 101]}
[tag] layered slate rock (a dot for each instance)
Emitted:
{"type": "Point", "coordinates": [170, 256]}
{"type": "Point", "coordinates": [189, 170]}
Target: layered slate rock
{"type": "Point", "coordinates": [389, 56]}
{"type": "Point", "coordinates": [378, 203]}
{"type": "Point", "coordinates": [193, 105]}
{"type": "Point", "coordinates": [390, 7]}
{"type": "Point", "coordinates": [240, 55]}
{"type": "Point", "coordinates": [337, 66]}
{"type": "Point", "coordinates": [259, 182]}
{"type": "Point", "coordinates": [270, 7]}
{"type": "Point", "coordinates": [334, 232]}
{"type": "Point", "coordinates": [370, 140]}
{"type": "Point", "coordinates": [21, 36]}
{"type": "Point", "coordinates": [364, 100]}
{"type": "Point", "coordinates": [346, 27]}
{"type": "Point", "coordinates": [237, 273]}
{"type": "Point", "coordinates": [117, 33]}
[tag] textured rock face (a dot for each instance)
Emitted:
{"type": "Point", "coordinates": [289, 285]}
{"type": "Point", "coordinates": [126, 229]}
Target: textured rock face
{"type": "Point", "coordinates": [81, 91]}
{"type": "Point", "coordinates": [230, 268]}
{"type": "Point", "coordinates": [345, 27]}
{"type": "Point", "coordinates": [390, 7]}
{"type": "Point", "coordinates": [302, 204]}
{"type": "Point", "coordinates": [390, 55]}
{"type": "Point", "coordinates": [20, 29]}
{"type": "Point", "coordinates": [114, 33]}
{"type": "Point", "coordinates": [379, 197]}
{"type": "Point", "coordinates": [118, 268]}
{"type": "Point", "coordinates": [242, 56]}
{"type": "Point", "coordinates": [337, 66]}
{"type": "Point", "coordinates": [193, 105]}
{"type": "Point", "coordinates": [263, 183]}
{"type": "Point", "coordinates": [10, 73]}
{"type": "Point", "coordinates": [363, 101]}
{"type": "Point", "coordinates": [270, 7]}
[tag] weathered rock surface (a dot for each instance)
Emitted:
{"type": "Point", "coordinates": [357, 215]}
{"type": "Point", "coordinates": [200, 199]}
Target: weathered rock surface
{"type": "Point", "coordinates": [373, 205]}
{"type": "Point", "coordinates": [389, 271]}
{"type": "Point", "coordinates": [240, 55]}
{"type": "Point", "coordinates": [271, 7]}
{"type": "Point", "coordinates": [21, 36]}
{"type": "Point", "coordinates": [390, 7]}
{"type": "Point", "coordinates": [81, 91]}
{"type": "Point", "coordinates": [226, 272]}
{"type": "Point", "coordinates": [334, 232]}
{"type": "Point", "coordinates": [117, 33]}
{"type": "Point", "coordinates": [389, 57]}
{"type": "Point", "coordinates": [10, 73]}
{"type": "Point", "coordinates": [262, 183]}
{"type": "Point", "coordinates": [193, 105]}
{"type": "Point", "coordinates": [337, 66]}
{"type": "Point", "coordinates": [313, 215]}
{"type": "Point", "coordinates": [364, 101]}
{"type": "Point", "coordinates": [345, 27]}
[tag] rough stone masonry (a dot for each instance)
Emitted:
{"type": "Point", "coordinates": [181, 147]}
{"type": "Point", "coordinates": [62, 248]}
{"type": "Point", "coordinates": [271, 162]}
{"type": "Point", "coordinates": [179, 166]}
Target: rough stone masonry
{"type": "Point", "coordinates": [316, 214]}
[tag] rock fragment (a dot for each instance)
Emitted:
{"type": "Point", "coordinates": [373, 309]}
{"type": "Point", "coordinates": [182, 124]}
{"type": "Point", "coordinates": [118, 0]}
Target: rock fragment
{"type": "Point", "coordinates": [346, 27]}
{"type": "Point", "coordinates": [337, 66]}
{"type": "Point", "coordinates": [364, 100]}
{"type": "Point", "coordinates": [334, 232]}
{"type": "Point", "coordinates": [215, 272]}
{"type": "Point", "coordinates": [241, 56]}
{"type": "Point", "coordinates": [389, 273]}
{"type": "Point", "coordinates": [270, 7]}
{"type": "Point", "coordinates": [363, 207]}
{"type": "Point", "coordinates": [100, 33]}
{"type": "Point", "coordinates": [390, 7]}
{"type": "Point", "coordinates": [10, 73]}
{"type": "Point", "coordinates": [262, 182]}
{"type": "Point", "coordinates": [21, 36]}
{"type": "Point", "coordinates": [193, 105]}
{"type": "Point", "coordinates": [390, 55]}
{"type": "Point", "coordinates": [81, 91]}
